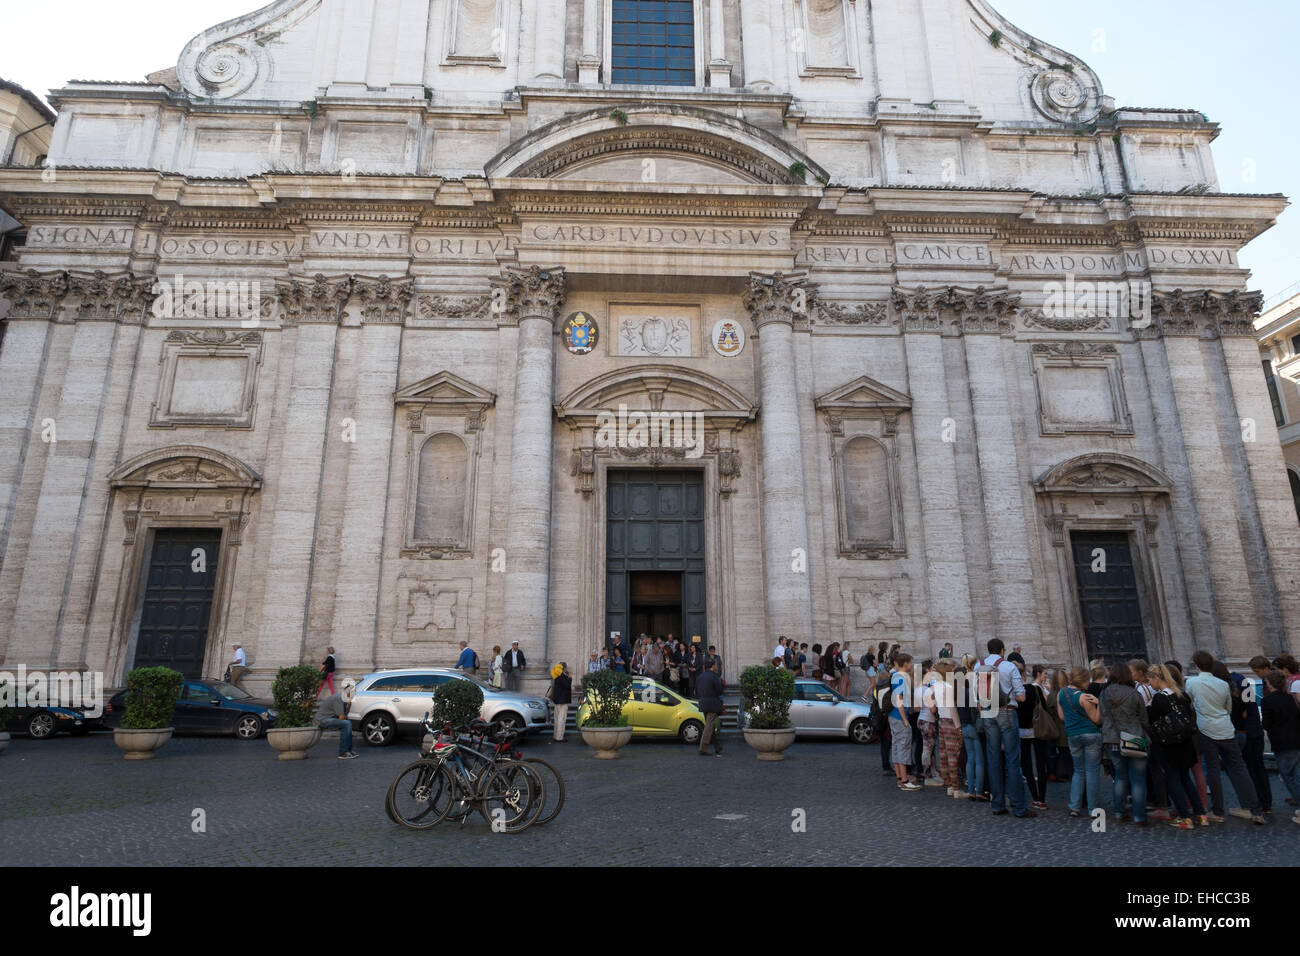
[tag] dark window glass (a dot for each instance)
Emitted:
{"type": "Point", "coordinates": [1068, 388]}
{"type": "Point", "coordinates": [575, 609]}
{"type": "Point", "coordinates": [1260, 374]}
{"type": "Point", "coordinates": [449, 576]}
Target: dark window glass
{"type": "Point", "coordinates": [1278, 415]}
{"type": "Point", "coordinates": [654, 42]}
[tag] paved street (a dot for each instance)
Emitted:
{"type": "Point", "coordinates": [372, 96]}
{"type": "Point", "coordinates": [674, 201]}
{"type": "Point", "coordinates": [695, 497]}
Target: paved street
{"type": "Point", "coordinates": [77, 802]}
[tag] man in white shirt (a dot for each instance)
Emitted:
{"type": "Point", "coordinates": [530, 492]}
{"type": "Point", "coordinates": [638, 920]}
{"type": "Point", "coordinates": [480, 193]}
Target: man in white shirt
{"type": "Point", "coordinates": [238, 666]}
{"type": "Point", "coordinates": [1002, 734]}
{"type": "Point", "coordinates": [779, 650]}
{"type": "Point", "coordinates": [1212, 700]}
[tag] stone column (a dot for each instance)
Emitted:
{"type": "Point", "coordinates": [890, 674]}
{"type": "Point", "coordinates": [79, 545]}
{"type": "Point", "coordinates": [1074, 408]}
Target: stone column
{"type": "Point", "coordinates": [548, 58]}
{"type": "Point", "coordinates": [589, 63]}
{"type": "Point", "coordinates": [756, 37]}
{"type": "Point", "coordinates": [773, 301]}
{"type": "Point", "coordinates": [537, 296]}
{"type": "Point", "coordinates": [719, 69]}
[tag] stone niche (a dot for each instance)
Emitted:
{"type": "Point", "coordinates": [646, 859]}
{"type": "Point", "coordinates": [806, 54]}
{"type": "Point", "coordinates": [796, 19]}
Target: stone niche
{"type": "Point", "coordinates": [1080, 390]}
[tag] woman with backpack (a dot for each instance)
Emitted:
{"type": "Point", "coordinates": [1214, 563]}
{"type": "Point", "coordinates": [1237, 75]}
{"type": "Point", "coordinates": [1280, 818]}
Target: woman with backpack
{"type": "Point", "coordinates": [1081, 714]}
{"type": "Point", "coordinates": [1173, 725]}
{"type": "Point", "coordinates": [1033, 750]}
{"type": "Point", "coordinates": [972, 742]}
{"type": "Point", "coordinates": [1126, 735]}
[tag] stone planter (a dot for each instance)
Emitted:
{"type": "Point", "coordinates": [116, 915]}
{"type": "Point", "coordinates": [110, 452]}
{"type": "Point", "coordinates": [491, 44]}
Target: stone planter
{"type": "Point", "coordinates": [770, 743]}
{"type": "Point", "coordinates": [293, 742]}
{"type": "Point", "coordinates": [606, 741]}
{"type": "Point", "coordinates": [141, 744]}
{"type": "Point", "coordinates": [4, 741]}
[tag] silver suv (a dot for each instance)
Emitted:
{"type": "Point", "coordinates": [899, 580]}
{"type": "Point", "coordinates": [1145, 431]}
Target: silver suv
{"type": "Point", "coordinates": [388, 701]}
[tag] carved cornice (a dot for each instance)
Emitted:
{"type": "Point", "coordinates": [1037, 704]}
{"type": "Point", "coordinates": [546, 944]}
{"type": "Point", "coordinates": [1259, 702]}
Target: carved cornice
{"type": "Point", "coordinates": [866, 313]}
{"type": "Point", "coordinates": [455, 306]}
{"type": "Point", "coordinates": [215, 338]}
{"type": "Point", "coordinates": [122, 297]}
{"type": "Point", "coordinates": [1037, 319]}
{"type": "Point", "coordinates": [779, 297]}
{"type": "Point", "coordinates": [1203, 313]}
{"type": "Point", "coordinates": [534, 292]}
{"type": "Point", "coordinates": [32, 294]}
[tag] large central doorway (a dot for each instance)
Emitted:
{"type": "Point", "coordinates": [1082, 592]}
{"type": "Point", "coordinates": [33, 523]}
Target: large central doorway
{"type": "Point", "coordinates": [654, 554]}
{"type": "Point", "coordinates": [177, 602]}
{"type": "Point", "coordinates": [1109, 603]}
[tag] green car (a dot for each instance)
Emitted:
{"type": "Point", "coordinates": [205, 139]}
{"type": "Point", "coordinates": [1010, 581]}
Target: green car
{"type": "Point", "coordinates": [652, 710]}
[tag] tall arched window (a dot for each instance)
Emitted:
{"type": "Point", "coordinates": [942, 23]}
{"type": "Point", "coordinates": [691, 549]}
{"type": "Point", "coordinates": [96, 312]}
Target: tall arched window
{"type": "Point", "coordinates": [440, 494]}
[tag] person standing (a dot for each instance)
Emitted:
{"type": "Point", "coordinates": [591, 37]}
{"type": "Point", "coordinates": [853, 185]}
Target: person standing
{"type": "Point", "coordinates": [1126, 736]}
{"type": "Point", "coordinates": [1212, 699]}
{"type": "Point", "coordinates": [1005, 692]}
{"type": "Point", "coordinates": [654, 663]}
{"type": "Point", "coordinates": [1250, 735]}
{"type": "Point", "coordinates": [709, 687]}
{"type": "Point", "coordinates": [594, 663]}
{"type": "Point", "coordinates": [332, 714]}
{"type": "Point", "coordinates": [949, 728]}
{"type": "Point", "coordinates": [1173, 729]}
{"type": "Point", "coordinates": [1080, 711]}
{"type": "Point", "coordinates": [946, 652]}
{"type": "Point", "coordinates": [1033, 752]}
{"type": "Point", "coordinates": [513, 664]}
{"type": "Point", "coordinates": [694, 668]}
{"type": "Point", "coordinates": [968, 712]}
{"type": "Point", "coordinates": [561, 697]}
{"type": "Point", "coordinates": [468, 660]}
{"type": "Point", "coordinates": [327, 669]}
{"type": "Point", "coordinates": [844, 671]}
{"type": "Point", "coordinates": [1281, 719]}
{"type": "Point", "coordinates": [495, 675]}
{"type": "Point", "coordinates": [900, 728]}
{"type": "Point", "coordinates": [238, 665]}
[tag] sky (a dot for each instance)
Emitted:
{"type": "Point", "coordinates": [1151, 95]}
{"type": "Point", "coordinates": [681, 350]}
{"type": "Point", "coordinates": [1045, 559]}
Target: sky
{"type": "Point", "coordinates": [1235, 62]}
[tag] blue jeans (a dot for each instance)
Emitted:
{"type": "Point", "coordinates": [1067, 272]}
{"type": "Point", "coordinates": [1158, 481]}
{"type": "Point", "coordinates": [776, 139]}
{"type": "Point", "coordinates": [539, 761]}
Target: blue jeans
{"type": "Point", "coordinates": [344, 727]}
{"type": "Point", "coordinates": [1288, 768]}
{"type": "Point", "coordinates": [1130, 774]}
{"type": "Point", "coordinates": [1085, 752]}
{"type": "Point", "coordinates": [975, 777]}
{"type": "Point", "coordinates": [1002, 739]}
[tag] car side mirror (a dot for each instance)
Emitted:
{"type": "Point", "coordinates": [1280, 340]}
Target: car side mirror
{"type": "Point", "coordinates": [215, 702]}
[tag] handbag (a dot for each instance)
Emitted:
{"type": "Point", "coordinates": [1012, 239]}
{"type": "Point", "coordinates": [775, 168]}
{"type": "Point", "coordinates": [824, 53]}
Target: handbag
{"type": "Point", "coordinates": [673, 674]}
{"type": "Point", "coordinates": [1047, 726]}
{"type": "Point", "coordinates": [1131, 745]}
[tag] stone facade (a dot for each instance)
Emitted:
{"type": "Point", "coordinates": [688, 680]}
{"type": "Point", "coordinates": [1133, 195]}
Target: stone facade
{"type": "Point", "coordinates": [942, 309]}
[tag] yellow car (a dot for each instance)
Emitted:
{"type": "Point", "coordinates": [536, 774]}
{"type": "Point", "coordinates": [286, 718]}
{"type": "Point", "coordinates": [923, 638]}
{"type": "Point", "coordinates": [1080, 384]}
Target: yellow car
{"type": "Point", "coordinates": [652, 710]}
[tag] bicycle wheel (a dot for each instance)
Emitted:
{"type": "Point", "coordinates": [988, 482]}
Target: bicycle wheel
{"type": "Point", "coordinates": [554, 790]}
{"type": "Point", "coordinates": [510, 796]}
{"type": "Point", "coordinates": [422, 795]}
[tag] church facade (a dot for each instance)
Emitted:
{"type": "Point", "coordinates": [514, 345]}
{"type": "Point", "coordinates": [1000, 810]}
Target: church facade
{"type": "Point", "coordinates": [387, 324]}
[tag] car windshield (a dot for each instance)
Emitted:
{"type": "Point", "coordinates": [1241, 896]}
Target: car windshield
{"type": "Point", "coordinates": [229, 691]}
{"type": "Point", "coordinates": [818, 691]}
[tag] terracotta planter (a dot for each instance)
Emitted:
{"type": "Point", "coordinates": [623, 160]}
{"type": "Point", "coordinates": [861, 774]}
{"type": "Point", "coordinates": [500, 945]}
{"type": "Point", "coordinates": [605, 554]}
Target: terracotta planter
{"type": "Point", "coordinates": [293, 742]}
{"type": "Point", "coordinates": [141, 744]}
{"type": "Point", "coordinates": [606, 741]}
{"type": "Point", "coordinates": [770, 743]}
{"type": "Point", "coordinates": [4, 741]}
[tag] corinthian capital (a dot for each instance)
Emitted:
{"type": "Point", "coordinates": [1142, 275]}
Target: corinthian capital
{"type": "Point", "coordinates": [534, 292]}
{"type": "Point", "coordinates": [779, 297]}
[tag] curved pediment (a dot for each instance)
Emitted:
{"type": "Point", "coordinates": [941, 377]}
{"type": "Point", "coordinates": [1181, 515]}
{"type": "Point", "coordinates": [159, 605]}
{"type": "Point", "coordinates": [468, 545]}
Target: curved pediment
{"type": "Point", "coordinates": [1105, 472]}
{"type": "Point", "coordinates": [185, 466]}
{"type": "Point", "coordinates": [659, 388]}
{"type": "Point", "coordinates": [684, 145]}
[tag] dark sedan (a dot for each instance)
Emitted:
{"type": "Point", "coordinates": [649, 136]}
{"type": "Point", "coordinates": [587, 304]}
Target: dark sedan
{"type": "Point", "coordinates": [210, 707]}
{"type": "Point", "coordinates": [42, 723]}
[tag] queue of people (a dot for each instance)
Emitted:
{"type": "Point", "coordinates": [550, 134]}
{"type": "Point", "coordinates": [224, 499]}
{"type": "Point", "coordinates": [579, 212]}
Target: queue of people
{"type": "Point", "coordinates": [997, 731]}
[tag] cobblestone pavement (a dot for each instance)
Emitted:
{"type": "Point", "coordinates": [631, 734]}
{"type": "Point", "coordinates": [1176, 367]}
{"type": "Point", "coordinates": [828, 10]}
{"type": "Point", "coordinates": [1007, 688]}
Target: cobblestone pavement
{"type": "Point", "coordinates": [72, 802]}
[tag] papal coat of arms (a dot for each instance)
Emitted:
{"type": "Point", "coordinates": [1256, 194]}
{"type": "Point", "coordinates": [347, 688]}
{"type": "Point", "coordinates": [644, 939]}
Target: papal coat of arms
{"type": "Point", "coordinates": [580, 333]}
{"type": "Point", "coordinates": [728, 338]}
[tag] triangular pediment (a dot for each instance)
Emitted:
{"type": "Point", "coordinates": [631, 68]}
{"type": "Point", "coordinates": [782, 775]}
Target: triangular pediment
{"type": "Point", "coordinates": [864, 394]}
{"type": "Point", "coordinates": [445, 389]}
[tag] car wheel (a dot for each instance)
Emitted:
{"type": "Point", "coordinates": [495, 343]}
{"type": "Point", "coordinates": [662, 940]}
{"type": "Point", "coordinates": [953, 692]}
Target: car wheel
{"type": "Point", "coordinates": [40, 726]}
{"type": "Point", "coordinates": [378, 729]}
{"type": "Point", "coordinates": [510, 721]}
{"type": "Point", "coordinates": [860, 731]}
{"type": "Point", "coordinates": [691, 732]}
{"type": "Point", "coordinates": [248, 727]}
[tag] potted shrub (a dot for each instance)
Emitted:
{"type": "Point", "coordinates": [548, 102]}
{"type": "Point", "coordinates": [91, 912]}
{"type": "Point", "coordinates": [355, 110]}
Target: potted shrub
{"type": "Point", "coordinates": [6, 713]}
{"type": "Point", "coordinates": [151, 695]}
{"type": "Point", "coordinates": [605, 729]}
{"type": "Point", "coordinates": [295, 731]}
{"type": "Point", "coordinates": [766, 693]}
{"type": "Point", "coordinates": [455, 703]}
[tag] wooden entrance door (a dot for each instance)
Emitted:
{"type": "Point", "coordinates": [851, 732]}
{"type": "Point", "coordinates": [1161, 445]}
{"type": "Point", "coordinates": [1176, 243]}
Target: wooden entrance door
{"type": "Point", "coordinates": [1109, 604]}
{"type": "Point", "coordinates": [178, 600]}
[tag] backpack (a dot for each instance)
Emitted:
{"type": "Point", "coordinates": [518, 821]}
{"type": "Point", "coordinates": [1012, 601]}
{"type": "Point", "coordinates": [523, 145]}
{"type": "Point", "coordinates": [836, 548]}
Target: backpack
{"type": "Point", "coordinates": [475, 653]}
{"type": "Point", "coordinates": [986, 678]}
{"type": "Point", "coordinates": [1177, 725]}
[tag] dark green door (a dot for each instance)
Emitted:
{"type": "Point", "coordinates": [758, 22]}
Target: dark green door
{"type": "Point", "coordinates": [1109, 605]}
{"type": "Point", "coordinates": [654, 521]}
{"type": "Point", "coordinates": [178, 600]}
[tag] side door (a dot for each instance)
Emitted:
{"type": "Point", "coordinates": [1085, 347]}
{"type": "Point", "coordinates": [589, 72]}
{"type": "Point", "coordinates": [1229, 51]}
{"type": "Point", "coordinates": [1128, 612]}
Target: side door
{"type": "Point", "coordinates": [415, 696]}
{"type": "Point", "coordinates": [195, 713]}
{"type": "Point", "coordinates": [661, 713]}
{"type": "Point", "coordinates": [638, 708]}
{"type": "Point", "coordinates": [823, 714]}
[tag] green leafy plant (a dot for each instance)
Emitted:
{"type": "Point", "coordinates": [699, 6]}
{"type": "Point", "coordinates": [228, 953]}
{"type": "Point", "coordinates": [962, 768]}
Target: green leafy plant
{"type": "Point", "coordinates": [766, 693]}
{"type": "Point", "coordinates": [294, 692]}
{"type": "Point", "coordinates": [932, 105]}
{"type": "Point", "coordinates": [312, 108]}
{"type": "Point", "coordinates": [428, 94]}
{"type": "Point", "coordinates": [618, 116]}
{"type": "Point", "coordinates": [151, 695]}
{"type": "Point", "coordinates": [798, 172]}
{"type": "Point", "coordinates": [456, 702]}
{"type": "Point", "coordinates": [607, 691]}
{"type": "Point", "coordinates": [1067, 67]}
{"type": "Point", "coordinates": [996, 37]}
